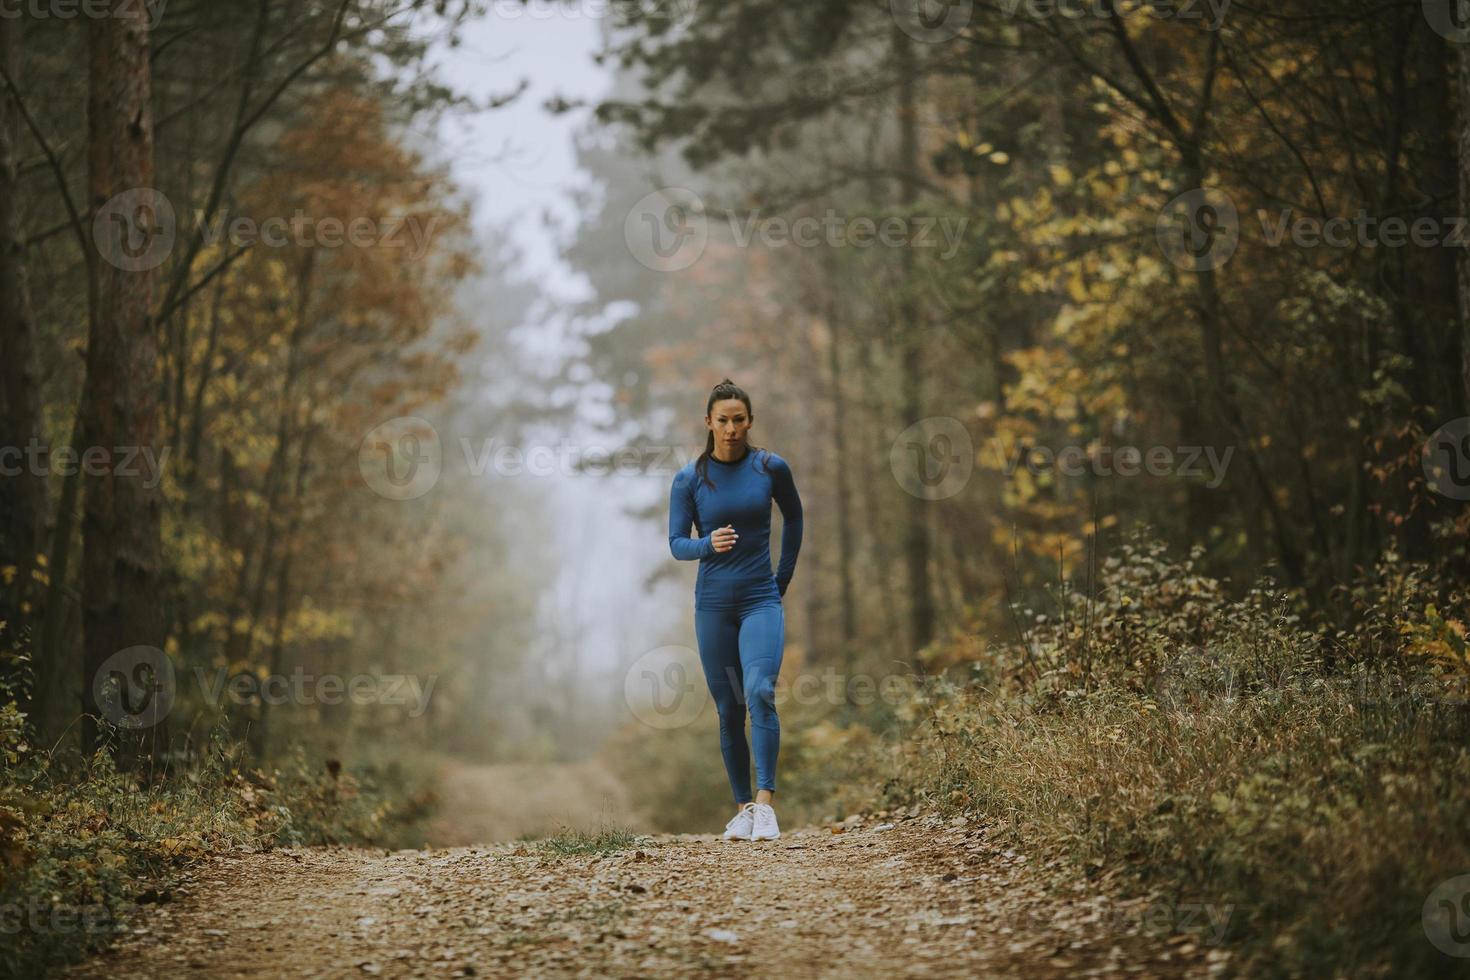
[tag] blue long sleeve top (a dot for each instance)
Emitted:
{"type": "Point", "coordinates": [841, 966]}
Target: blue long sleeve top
{"type": "Point", "coordinates": [742, 495]}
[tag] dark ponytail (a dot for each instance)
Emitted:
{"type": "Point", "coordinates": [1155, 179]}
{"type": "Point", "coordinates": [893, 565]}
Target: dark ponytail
{"type": "Point", "coordinates": [725, 389]}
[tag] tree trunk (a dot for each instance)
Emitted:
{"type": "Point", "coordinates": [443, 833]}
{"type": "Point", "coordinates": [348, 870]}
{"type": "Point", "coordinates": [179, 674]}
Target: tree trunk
{"type": "Point", "coordinates": [22, 484]}
{"type": "Point", "coordinates": [56, 709]}
{"type": "Point", "coordinates": [261, 733]}
{"type": "Point", "coordinates": [916, 533]}
{"type": "Point", "coordinates": [1463, 85]}
{"type": "Point", "coordinates": [842, 462]}
{"type": "Point", "coordinates": [121, 522]}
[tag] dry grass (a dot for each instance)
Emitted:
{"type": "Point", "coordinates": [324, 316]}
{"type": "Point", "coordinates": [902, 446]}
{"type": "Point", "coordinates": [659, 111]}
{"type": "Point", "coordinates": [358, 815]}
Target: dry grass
{"type": "Point", "coordinates": [1213, 749]}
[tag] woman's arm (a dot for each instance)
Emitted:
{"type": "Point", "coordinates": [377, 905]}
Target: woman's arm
{"type": "Point", "coordinates": [783, 491]}
{"type": "Point", "coordinates": [681, 515]}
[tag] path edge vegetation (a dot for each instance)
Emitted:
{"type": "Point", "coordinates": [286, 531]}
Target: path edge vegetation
{"type": "Point", "coordinates": [1302, 780]}
{"type": "Point", "coordinates": [84, 843]}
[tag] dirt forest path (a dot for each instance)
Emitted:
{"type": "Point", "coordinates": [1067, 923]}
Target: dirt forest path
{"type": "Point", "coordinates": [506, 802]}
{"type": "Point", "coordinates": [890, 894]}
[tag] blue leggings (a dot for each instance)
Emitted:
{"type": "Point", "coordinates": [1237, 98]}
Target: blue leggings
{"type": "Point", "coordinates": [740, 650]}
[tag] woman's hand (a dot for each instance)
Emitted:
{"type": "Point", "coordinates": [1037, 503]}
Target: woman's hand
{"type": "Point", "coordinates": [724, 538]}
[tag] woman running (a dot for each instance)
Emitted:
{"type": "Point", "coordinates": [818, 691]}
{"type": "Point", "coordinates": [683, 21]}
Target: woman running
{"type": "Point", "coordinates": [738, 617]}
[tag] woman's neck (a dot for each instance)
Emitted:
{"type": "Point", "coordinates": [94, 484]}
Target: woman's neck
{"type": "Point", "coordinates": [744, 451]}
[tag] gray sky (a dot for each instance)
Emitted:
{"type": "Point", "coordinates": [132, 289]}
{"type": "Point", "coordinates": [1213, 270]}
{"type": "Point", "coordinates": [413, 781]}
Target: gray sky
{"type": "Point", "coordinates": [518, 165]}
{"type": "Point", "coordinates": [518, 159]}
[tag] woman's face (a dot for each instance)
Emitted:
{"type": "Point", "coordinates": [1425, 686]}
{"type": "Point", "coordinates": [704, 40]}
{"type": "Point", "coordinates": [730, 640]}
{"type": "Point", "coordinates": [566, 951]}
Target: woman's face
{"type": "Point", "coordinates": [729, 420]}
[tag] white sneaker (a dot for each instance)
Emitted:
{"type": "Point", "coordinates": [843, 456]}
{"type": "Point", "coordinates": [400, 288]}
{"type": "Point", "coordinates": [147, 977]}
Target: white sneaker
{"type": "Point", "coordinates": [765, 823]}
{"type": "Point", "coordinates": [740, 825]}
